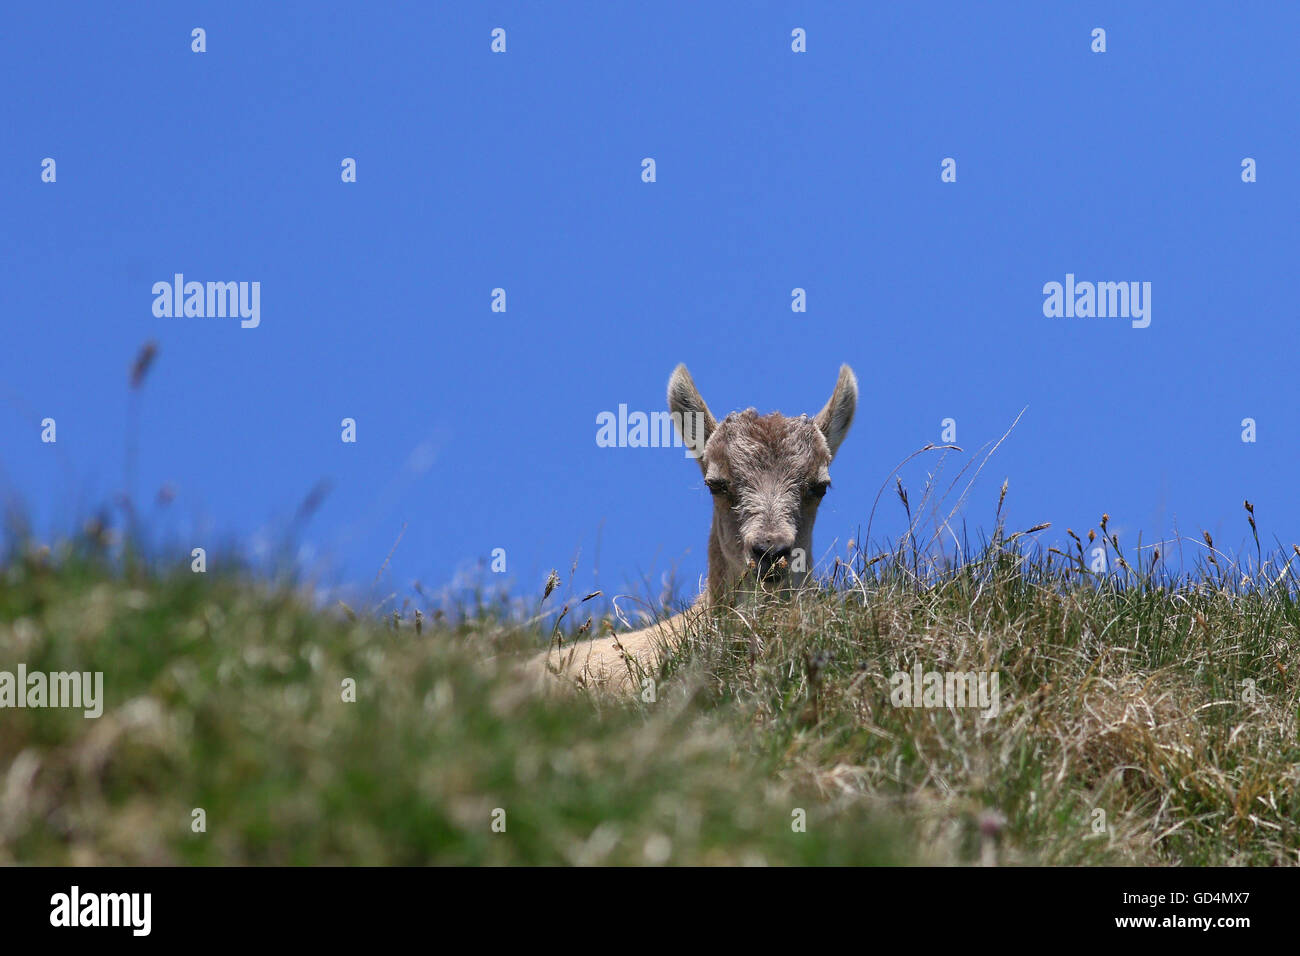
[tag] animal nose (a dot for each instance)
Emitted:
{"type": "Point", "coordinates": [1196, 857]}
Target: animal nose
{"type": "Point", "coordinates": [769, 552]}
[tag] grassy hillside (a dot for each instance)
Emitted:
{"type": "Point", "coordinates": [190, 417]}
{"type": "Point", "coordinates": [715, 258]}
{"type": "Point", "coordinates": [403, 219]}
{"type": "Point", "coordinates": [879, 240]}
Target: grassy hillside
{"type": "Point", "coordinates": [1126, 733]}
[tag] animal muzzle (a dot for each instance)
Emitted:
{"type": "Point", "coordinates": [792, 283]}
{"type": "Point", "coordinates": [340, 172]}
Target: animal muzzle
{"type": "Point", "coordinates": [770, 559]}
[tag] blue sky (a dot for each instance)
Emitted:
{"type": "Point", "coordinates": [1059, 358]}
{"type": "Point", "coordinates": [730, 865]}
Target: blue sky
{"type": "Point", "coordinates": [522, 170]}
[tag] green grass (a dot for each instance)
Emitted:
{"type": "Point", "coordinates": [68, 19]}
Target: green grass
{"type": "Point", "coordinates": [225, 695]}
{"type": "Point", "coordinates": [1120, 694]}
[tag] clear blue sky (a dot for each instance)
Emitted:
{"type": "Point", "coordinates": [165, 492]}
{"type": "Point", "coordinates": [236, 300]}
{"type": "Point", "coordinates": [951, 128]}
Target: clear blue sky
{"type": "Point", "coordinates": [522, 170]}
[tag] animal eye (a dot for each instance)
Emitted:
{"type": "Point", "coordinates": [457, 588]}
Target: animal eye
{"type": "Point", "coordinates": [717, 486]}
{"type": "Point", "coordinates": [818, 489]}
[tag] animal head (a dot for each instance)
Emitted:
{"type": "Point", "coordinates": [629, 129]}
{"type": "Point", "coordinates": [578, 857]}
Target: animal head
{"type": "Point", "coordinates": [767, 474]}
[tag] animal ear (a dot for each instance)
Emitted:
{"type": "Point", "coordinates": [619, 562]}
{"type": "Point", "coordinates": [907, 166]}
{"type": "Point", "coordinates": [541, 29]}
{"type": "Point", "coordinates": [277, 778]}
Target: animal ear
{"type": "Point", "coordinates": [834, 420]}
{"type": "Point", "coordinates": [692, 417]}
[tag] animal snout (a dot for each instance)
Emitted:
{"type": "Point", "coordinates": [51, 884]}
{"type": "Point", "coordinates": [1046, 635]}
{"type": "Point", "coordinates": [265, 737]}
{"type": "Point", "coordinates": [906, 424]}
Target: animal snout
{"type": "Point", "coordinates": [770, 551]}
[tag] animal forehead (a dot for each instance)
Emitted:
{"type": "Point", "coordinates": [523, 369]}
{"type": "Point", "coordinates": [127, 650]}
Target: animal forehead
{"type": "Point", "coordinates": [748, 440]}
